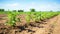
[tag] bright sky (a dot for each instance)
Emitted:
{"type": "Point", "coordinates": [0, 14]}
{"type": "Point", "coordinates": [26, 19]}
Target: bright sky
{"type": "Point", "coordinates": [28, 4]}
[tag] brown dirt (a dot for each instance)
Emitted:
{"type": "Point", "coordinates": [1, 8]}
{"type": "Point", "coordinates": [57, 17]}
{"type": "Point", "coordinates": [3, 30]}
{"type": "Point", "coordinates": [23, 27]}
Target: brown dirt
{"type": "Point", "coordinates": [22, 21]}
{"type": "Point", "coordinates": [52, 26]}
{"type": "Point", "coordinates": [3, 18]}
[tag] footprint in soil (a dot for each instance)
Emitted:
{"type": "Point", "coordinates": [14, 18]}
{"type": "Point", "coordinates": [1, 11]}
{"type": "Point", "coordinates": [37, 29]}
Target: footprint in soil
{"type": "Point", "coordinates": [31, 31]}
{"type": "Point", "coordinates": [51, 29]}
{"type": "Point", "coordinates": [22, 28]}
{"type": "Point", "coordinates": [36, 25]}
{"type": "Point", "coordinates": [1, 33]}
{"type": "Point", "coordinates": [49, 33]}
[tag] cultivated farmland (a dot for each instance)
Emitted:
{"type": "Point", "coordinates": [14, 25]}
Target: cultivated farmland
{"type": "Point", "coordinates": [13, 22]}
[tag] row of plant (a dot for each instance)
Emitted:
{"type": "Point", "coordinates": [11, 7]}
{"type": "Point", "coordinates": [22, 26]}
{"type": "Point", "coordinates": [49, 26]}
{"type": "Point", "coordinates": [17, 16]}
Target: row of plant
{"type": "Point", "coordinates": [30, 16]}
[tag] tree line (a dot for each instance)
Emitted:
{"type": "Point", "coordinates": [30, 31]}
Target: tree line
{"type": "Point", "coordinates": [32, 10]}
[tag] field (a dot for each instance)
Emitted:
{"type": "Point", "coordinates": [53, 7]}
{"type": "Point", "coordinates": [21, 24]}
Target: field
{"type": "Point", "coordinates": [13, 22]}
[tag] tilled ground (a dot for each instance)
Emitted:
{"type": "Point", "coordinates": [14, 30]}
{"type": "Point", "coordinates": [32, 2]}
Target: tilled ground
{"type": "Point", "coordinates": [50, 26]}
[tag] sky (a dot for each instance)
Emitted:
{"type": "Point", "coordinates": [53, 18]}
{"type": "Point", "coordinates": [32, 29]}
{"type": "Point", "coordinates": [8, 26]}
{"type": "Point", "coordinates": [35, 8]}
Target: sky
{"type": "Point", "coordinates": [40, 5]}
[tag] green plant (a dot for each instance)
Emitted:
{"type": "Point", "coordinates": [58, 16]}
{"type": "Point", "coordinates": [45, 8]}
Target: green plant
{"type": "Point", "coordinates": [27, 19]}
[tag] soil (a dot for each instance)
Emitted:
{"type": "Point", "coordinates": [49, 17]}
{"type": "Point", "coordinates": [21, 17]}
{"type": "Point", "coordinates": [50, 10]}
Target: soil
{"type": "Point", "coordinates": [50, 26]}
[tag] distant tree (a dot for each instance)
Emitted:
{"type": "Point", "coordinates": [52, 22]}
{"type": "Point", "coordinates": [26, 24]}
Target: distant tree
{"type": "Point", "coordinates": [32, 10]}
{"type": "Point", "coordinates": [1, 9]}
{"type": "Point", "coordinates": [51, 11]}
{"type": "Point", "coordinates": [20, 10]}
{"type": "Point", "coordinates": [14, 10]}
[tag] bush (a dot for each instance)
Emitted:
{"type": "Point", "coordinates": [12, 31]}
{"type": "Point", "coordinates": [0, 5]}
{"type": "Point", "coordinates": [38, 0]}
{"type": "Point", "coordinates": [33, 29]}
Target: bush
{"type": "Point", "coordinates": [1, 9]}
{"type": "Point", "coordinates": [14, 10]}
{"type": "Point", "coordinates": [32, 10]}
{"type": "Point", "coordinates": [20, 10]}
